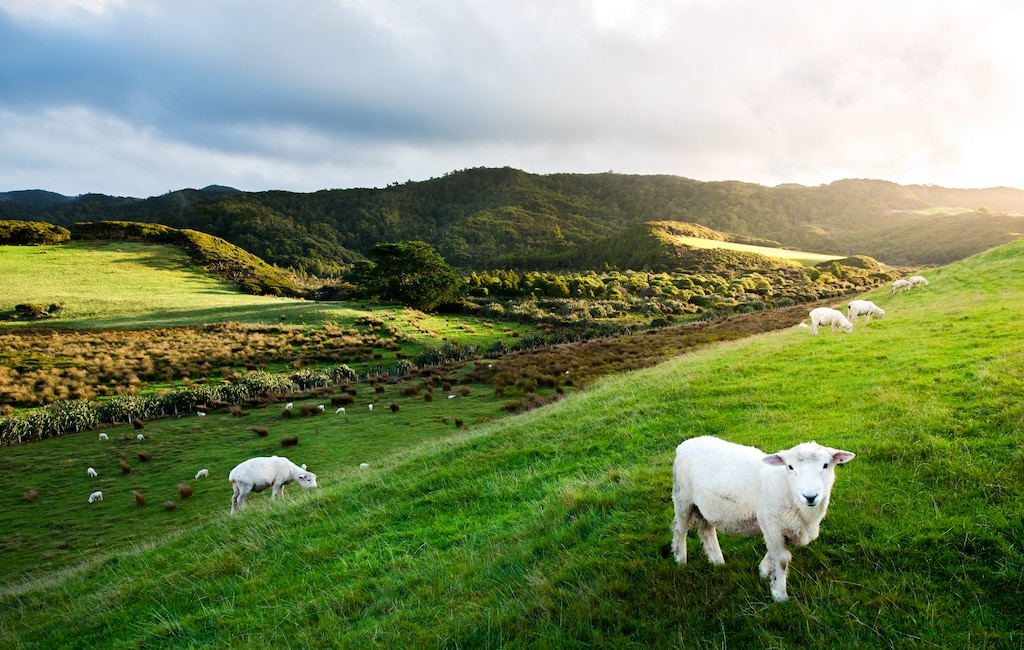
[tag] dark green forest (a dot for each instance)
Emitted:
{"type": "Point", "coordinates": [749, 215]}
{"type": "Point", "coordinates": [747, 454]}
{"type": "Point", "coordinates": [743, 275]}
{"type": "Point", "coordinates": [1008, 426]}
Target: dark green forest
{"type": "Point", "coordinates": [486, 218]}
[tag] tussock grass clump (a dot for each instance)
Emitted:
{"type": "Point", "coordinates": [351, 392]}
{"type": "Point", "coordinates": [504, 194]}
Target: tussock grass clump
{"type": "Point", "coordinates": [184, 491]}
{"type": "Point", "coordinates": [140, 500]}
{"type": "Point", "coordinates": [289, 441]}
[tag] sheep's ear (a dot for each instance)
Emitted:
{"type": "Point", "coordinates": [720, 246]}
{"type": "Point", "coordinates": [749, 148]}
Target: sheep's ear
{"type": "Point", "coordinates": [839, 456]}
{"type": "Point", "coordinates": [774, 459]}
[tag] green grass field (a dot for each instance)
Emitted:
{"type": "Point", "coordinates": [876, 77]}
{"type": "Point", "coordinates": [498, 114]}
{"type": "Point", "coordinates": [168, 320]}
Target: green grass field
{"type": "Point", "coordinates": [551, 529]}
{"type": "Point", "coordinates": [803, 257]}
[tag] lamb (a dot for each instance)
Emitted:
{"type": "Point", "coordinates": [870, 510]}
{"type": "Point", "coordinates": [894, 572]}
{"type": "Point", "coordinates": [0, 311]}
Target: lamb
{"type": "Point", "coordinates": [104, 436]}
{"type": "Point", "coordinates": [915, 280]}
{"type": "Point", "coordinates": [257, 474]}
{"type": "Point", "coordinates": [91, 472]}
{"type": "Point", "coordinates": [95, 496]}
{"type": "Point", "coordinates": [900, 285]}
{"type": "Point", "coordinates": [831, 317]}
{"type": "Point", "coordinates": [203, 473]}
{"type": "Point", "coordinates": [864, 307]}
{"type": "Point", "coordinates": [140, 437]}
{"type": "Point", "coordinates": [744, 491]}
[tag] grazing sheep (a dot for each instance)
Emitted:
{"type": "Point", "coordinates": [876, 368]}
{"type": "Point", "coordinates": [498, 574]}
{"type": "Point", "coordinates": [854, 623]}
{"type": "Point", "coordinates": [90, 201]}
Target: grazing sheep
{"type": "Point", "coordinates": [140, 437]}
{"type": "Point", "coordinates": [864, 307]}
{"type": "Point", "coordinates": [203, 473]}
{"type": "Point", "coordinates": [339, 410]}
{"type": "Point", "coordinates": [371, 406]}
{"type": "Point", "coordinates": [95, 496]}
{"type": "Point", "coordinates": [288, 406]}
{"type": "Point", "coordinates": [104, 436]}
{"type": "Point", "coordinates": [91, 472]}
{"type": "Point", "coordinates": [364, 465]}
{"type": "Point", "coordinates": [744, 491]}
{"type": "Point", "coordinates": [257, 474]}
{"type": "Point", "coordinates": [915, 280]}
{"type": "Point", "coordinates": [320, 408]}
{"type": "Point", "coordinates": [831, 317]}
{"type": "Point", "coordinates": [900, 285]}
{"type": "Point", "coordinates": [201, 413]}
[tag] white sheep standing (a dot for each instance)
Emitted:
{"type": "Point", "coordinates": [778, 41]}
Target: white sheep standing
{"type": "Point", "coordinates": [339, 410]}
{"type": "Point", "coordinates": [831, 317]}
{"type": "Point", "coordinates": [95, 496]}
{"type": "Point", "coordinates": [900, 285]}
{"type": "Point", "coordinates": [104, 436]}
{"type": "Point", "coordinates": [203, 473]}
{"type": "Point", "coordinates": [915, 280]}
{"type": "Point", "coordinates": [744, 491]}
{"type": "Point", "coordinates": [91, 472]}
{"type": "Point", "coordinates": [863, 307]}
{"type": "Point", "coordinates": [257, 474]}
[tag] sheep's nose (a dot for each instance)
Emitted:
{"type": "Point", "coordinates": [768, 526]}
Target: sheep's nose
{"type": "Point", "coordinates": [812, 500]}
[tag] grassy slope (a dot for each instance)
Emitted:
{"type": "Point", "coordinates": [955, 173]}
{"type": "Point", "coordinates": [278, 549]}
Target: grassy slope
{"type": "Point", "coordinates": [551, 529]}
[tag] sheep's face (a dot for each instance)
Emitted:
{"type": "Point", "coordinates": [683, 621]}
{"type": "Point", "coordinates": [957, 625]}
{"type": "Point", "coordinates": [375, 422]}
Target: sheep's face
{"type": "Point", "coordinates": [848, 327]}
{"type": "Point", "coordinates": [306, 480]}
{"type": "Point", "coordinates": [810, 471]}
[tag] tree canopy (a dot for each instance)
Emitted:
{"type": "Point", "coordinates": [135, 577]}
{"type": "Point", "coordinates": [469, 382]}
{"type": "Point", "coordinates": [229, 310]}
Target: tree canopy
{"type": "Point", "coordinates": [411, 273]}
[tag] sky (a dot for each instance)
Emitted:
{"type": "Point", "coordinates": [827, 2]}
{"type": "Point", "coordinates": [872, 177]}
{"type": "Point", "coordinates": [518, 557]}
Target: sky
{"type": "Point", "coordinates": [142, 97]}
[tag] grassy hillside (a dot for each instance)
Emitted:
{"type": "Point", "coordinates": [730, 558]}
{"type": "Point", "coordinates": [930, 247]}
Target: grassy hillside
{"type": "Point", "coordinates": [551, 529]}
{"type": "Point", "coordinates": [506, 218]}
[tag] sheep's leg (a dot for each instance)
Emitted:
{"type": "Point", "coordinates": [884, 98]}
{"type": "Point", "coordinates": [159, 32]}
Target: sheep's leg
{"type": "Point", "coordinates": [775, 566]}
{"type": "Point", "coordinates": [234, 498]}
{"type": "Point", "coordinates": [709, 536]}
{"type": "Point", "coordinates": [679, 530]}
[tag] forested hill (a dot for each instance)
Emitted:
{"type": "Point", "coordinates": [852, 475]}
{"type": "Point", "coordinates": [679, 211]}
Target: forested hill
{"type": "Point", "coordinates": [505, 218]}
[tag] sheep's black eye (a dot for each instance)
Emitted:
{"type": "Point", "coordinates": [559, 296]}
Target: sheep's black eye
{"type": "Point", "coordinates": [825, 466]}
{"type": "Point", "coordinates": [790, 467]}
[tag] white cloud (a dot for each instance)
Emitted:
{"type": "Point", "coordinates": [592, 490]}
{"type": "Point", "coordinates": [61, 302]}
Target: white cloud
{"type": "Point", "coordinates": [322, 93]}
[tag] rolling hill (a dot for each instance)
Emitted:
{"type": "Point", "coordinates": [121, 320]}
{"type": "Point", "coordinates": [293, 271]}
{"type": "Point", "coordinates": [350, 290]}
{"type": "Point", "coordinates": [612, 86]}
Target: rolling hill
{"type": "Point", "coordinates": [506, 218]}
{"type": "Point", "coordinates": [551, 529]}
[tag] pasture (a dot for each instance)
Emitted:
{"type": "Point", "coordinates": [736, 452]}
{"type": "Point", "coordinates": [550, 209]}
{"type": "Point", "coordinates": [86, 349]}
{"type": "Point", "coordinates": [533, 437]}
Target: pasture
{"type": "Point", "coordinates": [806, 258]}
{"type": "Point", "coordinates": [551, 528]}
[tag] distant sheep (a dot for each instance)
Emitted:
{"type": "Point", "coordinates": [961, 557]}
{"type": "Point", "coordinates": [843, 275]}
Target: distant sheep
{"type": "Point", "coordinates": [364, 465]}
{"type": "Point", "coordinates": [744, 491]}
{"type": "Point", "coordinates": [95, 496]}
{"type": "Point", "coordinates": [900, 285]}
{"type": "Point", "coordinates": [203, 473]}
{"type": "Point", "coordinates": [104, 436]}
{"type": "Point", "coordinates": [339, 410]}
{"type": "Point", "coordinates": [140, 437]}
{"type": "Point", "coordinates": [915, 280]}
{"type": "Point", "coordinates": [257, 474]}
{"type": "Point", "coordinates": [91, 472]}
{"type": "Point", "coordinates": [828, 316]}
{"type": "Point", "coordinates": [864, 307]}
{"type": "Point", "coordinates": [201, 413]}
{"type": "Point", "coordinates": [371, 406]}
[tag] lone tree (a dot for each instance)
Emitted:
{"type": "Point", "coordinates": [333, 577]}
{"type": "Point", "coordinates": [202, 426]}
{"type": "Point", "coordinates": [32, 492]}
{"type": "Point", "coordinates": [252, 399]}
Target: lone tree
{"type": "Point", "coordinates": [411, 273]}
